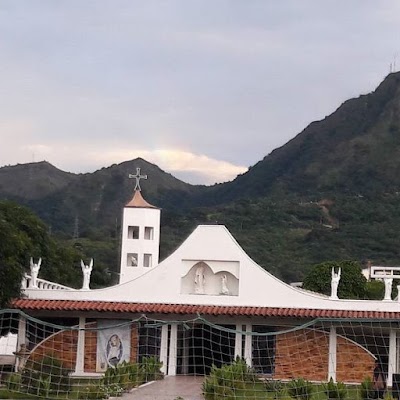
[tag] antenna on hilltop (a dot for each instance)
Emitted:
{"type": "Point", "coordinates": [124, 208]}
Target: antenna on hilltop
{"type": "Point", "coordinates": [76, 228]}
{"type": "Point", "coordinates": [393, 63]}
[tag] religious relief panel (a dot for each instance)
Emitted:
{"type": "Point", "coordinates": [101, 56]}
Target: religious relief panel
{"type": "Point", "coordinates": [207, 279]}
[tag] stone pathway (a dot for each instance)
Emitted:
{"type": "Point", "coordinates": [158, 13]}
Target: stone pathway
{"type": "Point", "coordinates": [170, 388]}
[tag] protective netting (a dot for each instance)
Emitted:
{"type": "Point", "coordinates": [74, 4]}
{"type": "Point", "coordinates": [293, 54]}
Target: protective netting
{"type": "Point", "coordinates": [68, 358]}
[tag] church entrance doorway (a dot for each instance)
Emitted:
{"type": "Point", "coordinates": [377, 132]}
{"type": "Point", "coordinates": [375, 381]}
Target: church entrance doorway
{"type": "Point", "coordinates": [200, 346]}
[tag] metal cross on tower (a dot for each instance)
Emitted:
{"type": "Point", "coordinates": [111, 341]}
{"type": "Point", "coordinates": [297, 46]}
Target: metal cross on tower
{"type": "Point", "coordinates": [138, 177]}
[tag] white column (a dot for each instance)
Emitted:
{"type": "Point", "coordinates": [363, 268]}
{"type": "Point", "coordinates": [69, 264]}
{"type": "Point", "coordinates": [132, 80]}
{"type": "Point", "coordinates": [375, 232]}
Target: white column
{"type": "Point", "coordinates": [173, 341]}
{"type": "Point", "coordinates": [238, 341]}
{"type": "Point", "coordinates": [332, 354]}
{"type": "Point", "coordinates": [80, 351]}
{"type": "Point", "coordinates": [392, 356]}
{"type": "Point", "coordinates": [164, 349]}
{"type": "Point", "coordinates": [185, 353]}
{"type": "Point", "coordinates": [21, 331]}
{"type": "Point", "coordinates": [21, 340]}
{"type": "Point", "coordinates": [248, 346]}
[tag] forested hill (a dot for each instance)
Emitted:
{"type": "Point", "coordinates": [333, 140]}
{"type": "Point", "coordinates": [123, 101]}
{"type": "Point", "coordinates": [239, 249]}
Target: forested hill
{"type": "Point", "coordinates": [33, 181]}
{"type": "Point", "coordinates": [354, 150]}
{"type": "Point", "coordinates": [95, 199]}
{"type": "Point", "coordinates": [331, 193]}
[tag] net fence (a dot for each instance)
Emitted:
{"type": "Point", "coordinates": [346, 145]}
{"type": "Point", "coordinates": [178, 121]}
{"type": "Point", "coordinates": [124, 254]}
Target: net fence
{"type": "Point", "coordinates": [68, 358]}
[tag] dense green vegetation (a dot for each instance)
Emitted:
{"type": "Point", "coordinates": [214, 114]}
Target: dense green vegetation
{"type": "Point", "coordinates": [22, 236]}
{"type": "Point", "coordinates": [289, 236]}
{"type": "Point", "coordinates": [238, 381]}
{"type": "Point", "coordinates": [285, 235]}
{"type": "Point", "coordinates": [353, 284]}
{"type": "Point", "coordinates": [49, 379]}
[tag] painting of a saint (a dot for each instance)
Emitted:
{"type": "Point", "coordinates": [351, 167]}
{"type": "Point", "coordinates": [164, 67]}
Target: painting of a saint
{"type": "Point", "coordinates": [113, 344]}
{"type": "Point", "coordinates": [114, 350]}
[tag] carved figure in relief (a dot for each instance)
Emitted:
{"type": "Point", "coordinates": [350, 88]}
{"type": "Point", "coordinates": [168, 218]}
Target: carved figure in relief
{"type": "Point", "coordinates": [133, 261]}
{"type": "Point", "coordinates": [34, 272]}
{"type": "Point", "coordinates": [86, 270]}
{"type": "Point", "coordinates": [224, 285]}
{"type": "Point", "coordinates": [335, 283]}
{"type": "Point", "coordinates": [199, 280]}
{"type": "Point", "coordinates": [388, 288]}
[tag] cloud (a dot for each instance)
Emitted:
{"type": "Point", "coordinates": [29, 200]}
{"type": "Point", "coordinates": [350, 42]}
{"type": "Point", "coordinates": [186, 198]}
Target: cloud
{"type": "Point", "coordinates": [202, 92]}
{"type": "Point", "coordinates": [88, 157]}
{"type": "Point", "coordinates": [200, 166]}
{"type": "Point", "coordinates": [192, 168]}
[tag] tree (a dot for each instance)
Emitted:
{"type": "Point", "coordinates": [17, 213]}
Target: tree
{"type": "Point", "coordinates": [21, 235]}
{"type": "Point", "coordinates": [24, 235]}
{"type": "Point", "coordinates": [352, 282]}
{"type": "Point", "coordinates": [375, 290]}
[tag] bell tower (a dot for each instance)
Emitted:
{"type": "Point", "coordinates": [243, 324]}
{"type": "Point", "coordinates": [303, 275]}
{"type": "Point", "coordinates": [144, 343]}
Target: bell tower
{"type": "Point", "coordinates": [140, 234]}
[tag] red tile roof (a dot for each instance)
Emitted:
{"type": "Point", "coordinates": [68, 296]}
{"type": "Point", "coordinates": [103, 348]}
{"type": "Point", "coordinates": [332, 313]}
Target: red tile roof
{"type": "Point", "coordinates": [154, 308]}
{"type": "Point", "coordinates": [138, 201]}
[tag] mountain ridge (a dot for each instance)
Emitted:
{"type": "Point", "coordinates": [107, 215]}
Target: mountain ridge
{"type": "Point", "coordinates": [298, 159]}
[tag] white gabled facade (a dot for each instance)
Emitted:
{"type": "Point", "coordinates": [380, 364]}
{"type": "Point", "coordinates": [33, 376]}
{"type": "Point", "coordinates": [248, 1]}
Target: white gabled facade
{"type": "Point", "coordinates": [213, 248]}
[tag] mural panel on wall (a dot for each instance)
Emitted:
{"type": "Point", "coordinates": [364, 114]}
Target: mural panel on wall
{"type": "Point", "coordinates": [113, 344]}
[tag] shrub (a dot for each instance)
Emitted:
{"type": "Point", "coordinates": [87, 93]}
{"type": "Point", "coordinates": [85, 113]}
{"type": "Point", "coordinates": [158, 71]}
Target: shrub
{"type": "Point", "coordinates": [44, 386]}
{"type": "Point", "coordinates": [151, 368]}
{"type": "Point", "coordinates": [335, 390]}
{"type": "Point", "coordinates": [93, 392]}
{"type": "Point", "coordinates": [388, 396]}
{"type": "Point", "coordinates": [13, 382]}
{"type": "Point", "coordinates": [300, 389]}
{"type": "Point", "coordinates": [126, 375]}
{"type": "Point", "coordinates": [223, 382]}
{"type": "Point", "coordinates": [215, 386]}
{"type": "Point", "coordinates": [45, 376]}
{"type": "Point", "coordinates": [118, 376]}
{"type": "Point", "coordinates": [115, 390]}
{"type": "Point", "coordinates": [367, 389]}
{"type": "Point", "coordinates": [274, 386]}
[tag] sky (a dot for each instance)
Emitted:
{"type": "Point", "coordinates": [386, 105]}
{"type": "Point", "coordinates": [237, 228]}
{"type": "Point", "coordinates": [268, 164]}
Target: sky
{"type": "Point", "coordinates": [202, 88]}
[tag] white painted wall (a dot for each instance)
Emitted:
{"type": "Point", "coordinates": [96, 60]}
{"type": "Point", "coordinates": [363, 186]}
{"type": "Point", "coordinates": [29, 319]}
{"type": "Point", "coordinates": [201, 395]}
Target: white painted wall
{"type": "Point", "coordinates": [141, 217]}
{"type": "Point", "coordinates": [215, 246]}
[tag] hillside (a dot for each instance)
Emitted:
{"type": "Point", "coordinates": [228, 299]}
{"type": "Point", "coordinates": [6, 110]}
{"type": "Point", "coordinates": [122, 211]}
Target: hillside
{"type": "Point", "coordinates": [331, 193]}
{"type": "Point", "coordinates": [354, 150]}
{"type": "Point", "coordinates": [26, 182]}
{"type": "Point", "coordinates": [94, 199]}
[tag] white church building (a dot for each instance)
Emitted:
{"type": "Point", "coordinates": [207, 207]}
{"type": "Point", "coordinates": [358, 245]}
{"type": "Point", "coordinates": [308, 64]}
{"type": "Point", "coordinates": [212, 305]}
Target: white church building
{"type": "Point", "coordinates": [207, 303]}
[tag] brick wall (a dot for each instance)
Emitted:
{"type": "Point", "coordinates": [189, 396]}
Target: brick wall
{"type": "Point", "coordinates": [63, 346]}
{"type": "Point", "coordinates": [90, 350]}
{"type": "Point", "coordinates": [354, 363]}
{"type": "Point", "coordinates": [134, 343]}
{"type": "Point", "coordinates": [305, 354]}
{"type": "Point", "coordinates": [302, 353]}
